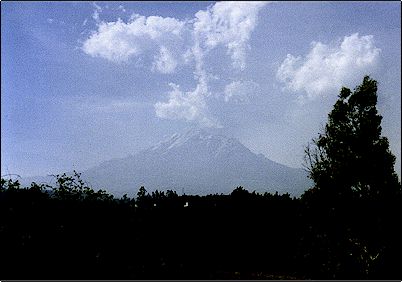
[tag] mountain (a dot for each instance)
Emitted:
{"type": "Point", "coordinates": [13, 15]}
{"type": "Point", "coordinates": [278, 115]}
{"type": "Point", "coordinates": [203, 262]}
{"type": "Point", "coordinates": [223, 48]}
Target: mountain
{"type": "Point", "coordinates": [196, 162]}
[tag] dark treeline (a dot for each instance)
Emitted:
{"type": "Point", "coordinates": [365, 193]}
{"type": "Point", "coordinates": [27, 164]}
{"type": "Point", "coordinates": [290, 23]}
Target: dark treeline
{"type": "Point", "coordinates": [72, 232]}
{"type": "Point", "coordinates": [77, 233]}
{"type": "Point", "coordinates": [345, 227]}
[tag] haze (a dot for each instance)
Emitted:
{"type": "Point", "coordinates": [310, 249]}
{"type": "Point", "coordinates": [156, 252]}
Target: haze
{"type": "Point", "coordinates": [85, 82]}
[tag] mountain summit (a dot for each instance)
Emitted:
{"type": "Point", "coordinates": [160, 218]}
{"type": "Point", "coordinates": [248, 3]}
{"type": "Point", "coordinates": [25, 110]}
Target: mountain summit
{"type": "Point", "coordinates": [196, 162]}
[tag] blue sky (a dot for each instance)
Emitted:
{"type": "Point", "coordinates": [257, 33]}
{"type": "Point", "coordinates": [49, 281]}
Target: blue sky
{"type": "Point", "coordinates": [84, 82]}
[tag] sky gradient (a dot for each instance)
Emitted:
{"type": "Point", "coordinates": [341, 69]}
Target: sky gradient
{"type": "Point", "coordinates": [85, 82]}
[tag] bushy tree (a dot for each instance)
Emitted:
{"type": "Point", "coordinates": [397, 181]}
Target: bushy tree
{"type": "Point", "coordinates": [74, 188]}
{"type": "Point", "coordinates": [353, 203]}
{"type": "Point", "coordinates": [9, 184]}
{"type": "Point", "coordinates": [351, 156]}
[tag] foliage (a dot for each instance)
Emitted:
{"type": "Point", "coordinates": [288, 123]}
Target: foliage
{"type": "Point", "coordinates": [67, 232]}
{"type": "Point", "coordinates": [74, 188]}
{"type": "Point", "coordinates": [356, 189]}
{"type": "Point", "coordinates": [351, 156]}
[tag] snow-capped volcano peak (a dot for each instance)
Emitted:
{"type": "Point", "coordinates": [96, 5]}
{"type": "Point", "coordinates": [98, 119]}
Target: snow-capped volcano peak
{"type": "Point", "coordinates": [198, 139]}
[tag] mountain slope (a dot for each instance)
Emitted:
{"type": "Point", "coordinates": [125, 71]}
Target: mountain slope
{"type": "Point", "coordinates": [197, 163]}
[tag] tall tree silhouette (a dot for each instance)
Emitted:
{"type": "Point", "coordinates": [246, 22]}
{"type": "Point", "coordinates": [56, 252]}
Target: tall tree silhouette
{"type": "Point", "coordinates": [351, 155]}
{"type": "Point", "coordinates": [353, 204]}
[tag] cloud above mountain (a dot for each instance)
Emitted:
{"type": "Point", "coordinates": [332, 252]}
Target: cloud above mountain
{"type": "Point", "coordinates": [329, 66]}
{"type": "Point", "coordinates": [229, 24]}
{"type": "Point", "coordinates": [189, 106]}
{"type": "Point", "coordinates": [164, 61]}
{"type": "Point", "coordinates": [241, 92]}
{"type": "Point", "coordinates": [191, 45]}
{"type": "Point", "coordinates": [173, 42]}
{"type": "Point", "coordinates": [119, 41]}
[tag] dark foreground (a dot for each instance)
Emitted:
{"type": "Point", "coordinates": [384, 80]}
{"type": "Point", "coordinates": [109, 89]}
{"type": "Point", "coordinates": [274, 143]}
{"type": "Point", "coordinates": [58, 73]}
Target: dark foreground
{"type": "Point", "coordinates": [72, 232]}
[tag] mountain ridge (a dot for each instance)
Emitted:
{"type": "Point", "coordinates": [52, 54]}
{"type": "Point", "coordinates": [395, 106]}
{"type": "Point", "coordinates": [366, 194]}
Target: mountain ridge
{"type": "Point", "coordinates": [196, 162]}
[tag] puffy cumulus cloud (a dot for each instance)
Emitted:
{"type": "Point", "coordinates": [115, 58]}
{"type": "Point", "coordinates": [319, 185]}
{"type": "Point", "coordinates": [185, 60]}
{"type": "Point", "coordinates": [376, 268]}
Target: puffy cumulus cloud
{"type": "Point", "coordinates": [165, 61]}
{"type": "Point", "coordinates": [241, 92]}
{"type": "Point", "coordinates": [230, 24]}
{"type": "Point", "coordinates": [190, 106]}
{"type": "Point", "coordinates": [175, 42]}
{"type": "Point", "coordinates": [327, 67]}
{"type": "Point", "coordinates": [118, 41]}
{"type": "Point", "coordinates": [112, 42]}
{"type": "Point", "coordinates": [225, 23]}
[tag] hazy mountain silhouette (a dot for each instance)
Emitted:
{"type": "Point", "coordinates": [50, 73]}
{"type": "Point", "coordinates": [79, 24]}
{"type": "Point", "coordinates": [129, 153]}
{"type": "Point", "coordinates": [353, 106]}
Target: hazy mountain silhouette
{"type": "Point", "coordinates": [196, 162]}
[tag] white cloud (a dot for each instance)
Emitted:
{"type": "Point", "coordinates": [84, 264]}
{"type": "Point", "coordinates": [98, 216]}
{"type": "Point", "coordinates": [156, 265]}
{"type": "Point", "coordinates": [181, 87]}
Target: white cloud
{"type": "Point", "coordinates": [328, 67]}
{"type": "Point", "coordinates": [241, 92]}
{"type": "Point", "coordinates": [164, 61]}
{"type": "Point", "coordinates": [189, 106]}
{"type": "Point", "coordinates": [173, 42]}
{"type": "Point", "coordinates": [230, 24]}
{"type": "Point", "coordinates": [226, 23]}
{"type": "Point", "coordinates": [111, 42]}
{"type": "Point", "coordinates": [95, 15]}
{"type": "Point", "coordinates": [97, 11]}
{"type": "Point", "coordinates": [49, 20]}
{"type": "Point", "coordinates": [119, 41]}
